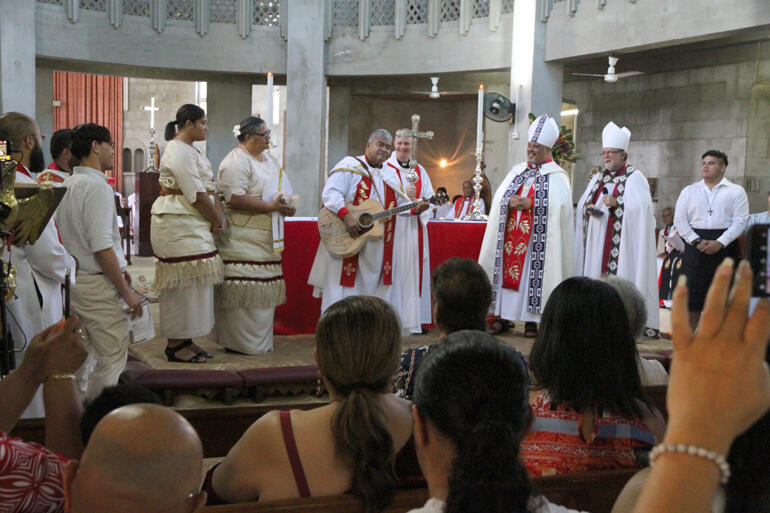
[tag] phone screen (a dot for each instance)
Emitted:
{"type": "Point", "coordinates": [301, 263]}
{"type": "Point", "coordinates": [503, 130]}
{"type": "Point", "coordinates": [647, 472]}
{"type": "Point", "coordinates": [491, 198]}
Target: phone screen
{"type": "Point", "coordinates": [759, 257]}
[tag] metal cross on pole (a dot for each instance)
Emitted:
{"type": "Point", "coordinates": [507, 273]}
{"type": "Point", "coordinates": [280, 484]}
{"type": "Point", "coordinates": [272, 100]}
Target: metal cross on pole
{"type": "Point", "coordinates": [152, 109]}
{"type": "Point", "coordinates": [412, 175]}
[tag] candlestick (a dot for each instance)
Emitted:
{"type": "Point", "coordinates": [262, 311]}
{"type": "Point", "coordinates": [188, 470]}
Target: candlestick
{"type": "Point", "coordinates": [269, 114]}
{"type": "Point", "coordinates": [480, 119]}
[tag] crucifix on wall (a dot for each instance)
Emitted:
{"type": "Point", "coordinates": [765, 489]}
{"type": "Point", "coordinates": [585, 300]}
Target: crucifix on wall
{"type": "Point", "coordinates": [152, 109]}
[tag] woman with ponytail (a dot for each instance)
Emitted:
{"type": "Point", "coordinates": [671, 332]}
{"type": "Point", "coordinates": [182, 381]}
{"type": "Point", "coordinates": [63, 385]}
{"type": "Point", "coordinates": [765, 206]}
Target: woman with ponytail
{"type": "Point", "coordinates": [470, 413]}
{"type": "Point", "coordinates": [348, 445]}
{"type": "Point", "coordinates": [185, 218]}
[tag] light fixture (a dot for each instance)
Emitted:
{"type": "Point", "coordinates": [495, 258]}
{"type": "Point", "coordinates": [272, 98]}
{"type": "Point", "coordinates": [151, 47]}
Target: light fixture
{"type": "Point", "coordinates": [442, 163]}
{"type": "Point", "coordinates": [570, 112]}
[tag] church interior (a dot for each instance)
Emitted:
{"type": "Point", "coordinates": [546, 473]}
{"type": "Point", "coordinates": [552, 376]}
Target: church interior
{"type": "Point", "coordinates": [324, 74]}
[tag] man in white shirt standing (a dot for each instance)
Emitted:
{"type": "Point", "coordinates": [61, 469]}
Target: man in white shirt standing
{"type": "Point", "coordinates": [710, 216]}
{"type": "Point", "coordinates": [88, 226]}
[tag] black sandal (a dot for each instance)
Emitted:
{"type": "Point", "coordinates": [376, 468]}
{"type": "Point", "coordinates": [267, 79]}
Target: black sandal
{"type": "Point", "coordinates": [530, 329]}
{"type": "Point", "coordinates": [201, 351]}
{"type": "Point", "coordinates": [172, 351]}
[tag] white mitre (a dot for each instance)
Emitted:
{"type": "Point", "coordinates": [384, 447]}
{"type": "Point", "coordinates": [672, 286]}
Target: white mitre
{"type": "Point", "coordinates": [615, 137]}
{"type": "Point", "coordinates": [543, 130]}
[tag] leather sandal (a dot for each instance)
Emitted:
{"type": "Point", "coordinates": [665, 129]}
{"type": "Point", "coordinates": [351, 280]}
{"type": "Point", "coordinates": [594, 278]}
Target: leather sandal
{"type": "Point", "coordinates": [530, 329]}
{"type": "Point", "coordinates": [201, 351]}
{"type": "Point", "coordinates": [172, 351]}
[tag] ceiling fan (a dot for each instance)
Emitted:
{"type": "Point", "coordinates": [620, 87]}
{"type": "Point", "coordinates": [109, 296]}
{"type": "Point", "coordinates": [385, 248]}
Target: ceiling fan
{"type": "Point", "coordinates": [434, 93]}
{"type": "Point", "coordinates": [611, 76]}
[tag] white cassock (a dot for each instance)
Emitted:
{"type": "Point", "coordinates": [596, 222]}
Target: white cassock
{"type": "Point", "coordinates": [409, 294]}
{"type": "Point", "coordinates": [326, 273]}
{"type": "Point", "coordinates": [516, 305]}
{"type": "Point", "coordinates": [40, 267]}
{"type": "Point", "coordinates": [636, 259]}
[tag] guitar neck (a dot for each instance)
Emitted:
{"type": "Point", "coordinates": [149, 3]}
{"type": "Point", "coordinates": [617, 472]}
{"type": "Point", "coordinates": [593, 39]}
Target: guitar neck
{"type": "Point", "coordinates": [393, 211]}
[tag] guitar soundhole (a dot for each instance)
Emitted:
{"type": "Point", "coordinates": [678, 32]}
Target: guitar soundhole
{"type": "Point", "coordinates": [365, 220]}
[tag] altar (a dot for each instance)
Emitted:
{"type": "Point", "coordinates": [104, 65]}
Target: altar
{"type": "Point", "coordinates": [301, 311]}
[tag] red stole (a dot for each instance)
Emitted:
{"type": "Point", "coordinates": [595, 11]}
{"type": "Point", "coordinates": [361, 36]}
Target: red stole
{"type": "Point", "coordinates": [21, 168]}
{"type": "Point", "coordinates": [459, 206]}
{"type": "Point", "coordinates": [420, 243]}
{"type": "Point", "coordinates": [350, 264]}
{"type": "Point", "coordinates": [45, 176]}
{"type": "Point", "coordinates": [610, 219]}
{"type": "Point", "coordinates": [517, 235]}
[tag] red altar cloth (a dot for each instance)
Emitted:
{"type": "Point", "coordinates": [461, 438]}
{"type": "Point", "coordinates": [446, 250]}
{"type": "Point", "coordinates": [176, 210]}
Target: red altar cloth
{"type": "Point", "coordinates": [301, 311]}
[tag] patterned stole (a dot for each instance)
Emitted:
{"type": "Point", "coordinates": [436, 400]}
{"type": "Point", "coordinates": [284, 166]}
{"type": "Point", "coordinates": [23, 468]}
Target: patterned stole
{"type": "Point", "coordinates": [539, 231]}
{"type": "Point", "coordinates": [611, 249]}
{"type": "Point", "coordinates": [459, 206]}
{"type": "Point", "coordinates": [389, 225]}
{"type": "Point", "coordinates": [418, 187]}
{"type": "Point", "coordinates": [517, 234]}
{"type": "Point", "coordinates": [350, 264]}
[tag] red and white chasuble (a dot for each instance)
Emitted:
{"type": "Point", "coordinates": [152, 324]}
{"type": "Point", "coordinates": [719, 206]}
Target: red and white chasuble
{"type": "Point", "coordinates": [518, 230]}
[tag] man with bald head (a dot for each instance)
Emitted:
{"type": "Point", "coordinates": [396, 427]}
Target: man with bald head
{"type": "Point", "coordinates": [141, 457]}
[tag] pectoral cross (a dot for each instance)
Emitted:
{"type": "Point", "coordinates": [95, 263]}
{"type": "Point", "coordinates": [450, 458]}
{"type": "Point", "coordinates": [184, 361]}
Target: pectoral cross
{"type": "Point", "coordinates": [710, 211]}
{"type": "Point", "coordinates": [152, 108]}
{"type": "Point", "coordinates": [412, 177]}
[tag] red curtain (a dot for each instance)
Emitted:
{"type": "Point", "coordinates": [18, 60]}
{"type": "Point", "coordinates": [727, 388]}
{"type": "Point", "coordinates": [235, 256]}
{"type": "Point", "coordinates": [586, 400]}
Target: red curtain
{"type": "Point", "coordinates": [87, 98]}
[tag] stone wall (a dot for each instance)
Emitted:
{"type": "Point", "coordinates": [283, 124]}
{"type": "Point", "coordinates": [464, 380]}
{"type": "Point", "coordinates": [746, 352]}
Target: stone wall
{"type": "Point", "coordinates": [674, 116]}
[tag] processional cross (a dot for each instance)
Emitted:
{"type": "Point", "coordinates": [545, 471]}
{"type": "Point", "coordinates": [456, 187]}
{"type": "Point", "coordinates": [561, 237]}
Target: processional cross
{"type": "Point", "coordinates": [152, 109]}
{"type": "Point", "coordinates": [412, 175]}
{"type": "Point", "coordinates": [153, 147]}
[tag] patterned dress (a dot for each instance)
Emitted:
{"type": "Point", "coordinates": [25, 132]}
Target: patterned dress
{"type": "Point", "coordinates": [555, 446]}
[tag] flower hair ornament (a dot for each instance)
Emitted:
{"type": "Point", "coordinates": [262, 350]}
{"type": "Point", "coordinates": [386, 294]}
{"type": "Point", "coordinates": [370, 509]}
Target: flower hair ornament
{"type": "Point", "coordinates": [237, 131]}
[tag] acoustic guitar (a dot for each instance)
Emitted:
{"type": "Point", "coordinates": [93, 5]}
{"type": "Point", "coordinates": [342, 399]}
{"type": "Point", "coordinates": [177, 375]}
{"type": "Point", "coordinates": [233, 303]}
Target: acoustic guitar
{"type": "Point", "coordinates": [369, 215]}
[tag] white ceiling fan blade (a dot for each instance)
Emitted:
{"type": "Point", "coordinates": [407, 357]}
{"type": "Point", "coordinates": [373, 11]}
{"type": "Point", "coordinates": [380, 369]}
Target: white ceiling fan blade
{"type": "Point", "coordinates": [589, 75]}
{"type": "Point", "coordinates": [629, 74]}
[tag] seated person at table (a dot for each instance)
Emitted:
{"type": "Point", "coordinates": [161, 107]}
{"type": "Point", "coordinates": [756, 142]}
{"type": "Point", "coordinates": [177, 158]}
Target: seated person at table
{"type": "Point", "coordinates": [470, 414]}
{"type": "Point", "coordinates": [461, 298]}
{"type": "Point", "coordinates": [348, 445]}
{"type": "Point", "coordinates": [463, 205]}
{"type": "Point", "coordinates": [590, 412]}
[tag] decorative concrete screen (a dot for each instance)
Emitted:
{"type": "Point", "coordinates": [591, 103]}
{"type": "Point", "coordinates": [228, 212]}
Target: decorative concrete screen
{"type": "Point", "coordinates": [450, 10]}
{"type": "Point", "coordinates": [480, 8]}
{"type": "Point", "coordinates": [137, 8]}
{"type": "Point", "coordinates": [92, 5]}
{"type": "Point", "coordinates": [267, 12]}
{"type": "Point", "coordinates": [180, 9]}
{"type": "Point", "coordinates": [345, 13]}
{"type": "Point", "coordinates": [417, 12]}
{"type": "Point", "coordinates": [382, 12]}
{"type": "Point", "coordinates": [223, 11]}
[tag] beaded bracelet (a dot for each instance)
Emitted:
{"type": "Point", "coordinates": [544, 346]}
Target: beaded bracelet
{"type": "Point", "coordinates": [59, 377]}
{"type": "Point", "coordinates": [693, 450]}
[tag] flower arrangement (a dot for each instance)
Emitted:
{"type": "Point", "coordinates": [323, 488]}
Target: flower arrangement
{"type": "Point", "coordinates": [564, 148]}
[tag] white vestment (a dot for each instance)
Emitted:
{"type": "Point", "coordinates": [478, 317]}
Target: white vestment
{"type": "Point", "coordinates": [413, 307]}
{"type": "Point", "coordinates": [254, 284]}
{"type": "Point", "coordinates": [188, 264]}
{"type": "Point", "coordinates": [557, 265]}
{"type": "Point", "coordinates": [637, 257]}
{"type": "Point", "coordinates": [40, 269]}
{"type": "Point", "coordinates": [340, 188]}
{"type": "Point", "coordinates": [462, 207]}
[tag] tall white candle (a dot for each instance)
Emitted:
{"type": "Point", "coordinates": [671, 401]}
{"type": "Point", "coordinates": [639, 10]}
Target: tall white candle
{"type": "Point", "coordinates": [480, 119]}
{"type": "Point", "coordinates": [269, 115]}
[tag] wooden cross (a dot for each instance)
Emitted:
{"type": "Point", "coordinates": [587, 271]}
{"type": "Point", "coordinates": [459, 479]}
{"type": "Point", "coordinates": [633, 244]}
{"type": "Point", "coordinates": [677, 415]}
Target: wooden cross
{"type": "Point", "coordinates": [152, 108]}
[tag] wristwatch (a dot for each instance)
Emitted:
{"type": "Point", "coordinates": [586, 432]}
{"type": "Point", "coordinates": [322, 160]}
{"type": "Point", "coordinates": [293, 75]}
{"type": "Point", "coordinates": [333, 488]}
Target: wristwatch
{"type": "Point", "coordinates": [697, 241]}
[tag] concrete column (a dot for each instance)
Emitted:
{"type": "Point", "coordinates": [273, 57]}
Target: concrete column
{"type": "Point", "coordinates": [228, 102]}
{"type": "Point", "coordinates": [44, 106]}
{"type": "Point", "coordinates": [306, 103]}
{"type": "Point", "coordinates": [339, 117]}
{"type": "Point", "coordinates": [17, 56]}
{"type": "Point", "coordinates": [540, 81]}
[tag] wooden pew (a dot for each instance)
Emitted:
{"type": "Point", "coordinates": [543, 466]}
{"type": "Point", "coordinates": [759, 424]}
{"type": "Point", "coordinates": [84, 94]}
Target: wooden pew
{"type": "Point", "coordinates": [594, 492]}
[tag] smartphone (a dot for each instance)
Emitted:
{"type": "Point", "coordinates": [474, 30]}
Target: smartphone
{"type": "Point", "coordinates": [758, 255]}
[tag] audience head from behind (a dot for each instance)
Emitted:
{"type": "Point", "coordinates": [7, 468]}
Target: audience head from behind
{"type": "Point", "coordinates": [470, 412]}
{"type": "Point", "coordinates": [633, 302]}
{"type": "Point", "coordinates": [60, 149]}
{"type": "Point", "coordinates": [461, 295]}
{"type": "Point", "coordinates": [92, 145]}
{"type": "Point", "coordinates": [584, 354]}
{"type": "Point", "coordinates": [190, 124]}
{"type": "Point", "coordinates": [26, 140]}
{"type": "Point", "coordinates": [358, 343]}
{"type": "Point", "coordinates": [112, 398]}
{"type": "Point", "coordinates": [142, 457]}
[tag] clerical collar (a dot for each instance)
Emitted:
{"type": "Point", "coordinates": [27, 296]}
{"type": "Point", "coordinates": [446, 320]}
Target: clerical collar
{"type": "Point", "coordinates": [536, 166]}
{"type": "Point", "coordinates": [370, 164]}
{"type": "Point", "coordinates": [403, 164]}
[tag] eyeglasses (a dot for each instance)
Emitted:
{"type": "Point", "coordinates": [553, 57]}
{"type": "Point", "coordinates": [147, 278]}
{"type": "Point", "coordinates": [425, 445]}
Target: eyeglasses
{"type": "Point", "coordinates": [265, 134]}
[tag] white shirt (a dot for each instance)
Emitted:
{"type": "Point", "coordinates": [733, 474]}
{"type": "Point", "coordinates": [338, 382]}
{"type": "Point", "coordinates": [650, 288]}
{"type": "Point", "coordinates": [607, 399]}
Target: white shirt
{"type": "Point", "coordinates": [87, 219]}
{"type": "Point", "coordinates": [760, 218]}
{"type": "Point", "coordinates": [727, 203]}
